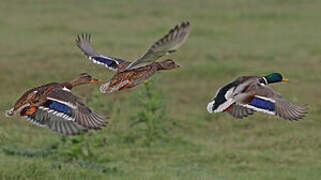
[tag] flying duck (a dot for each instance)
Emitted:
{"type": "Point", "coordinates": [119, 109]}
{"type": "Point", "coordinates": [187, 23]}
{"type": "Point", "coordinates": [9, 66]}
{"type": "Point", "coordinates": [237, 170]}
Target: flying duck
{"type": "Point", "coordinates": [248, 94]}
{"type": "Point", "coordinates": [54, 106]}
{"type": "Point", "coordinates": [130, 74]}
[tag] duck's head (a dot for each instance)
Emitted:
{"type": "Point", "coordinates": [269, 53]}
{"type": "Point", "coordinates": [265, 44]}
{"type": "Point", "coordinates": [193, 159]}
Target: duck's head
{"type": "Point", "coordinates": [168, 64]}
{"type": "Point", "coordinates": [274, 78]}
{"type": "Point", "coordinates": [84, 78]}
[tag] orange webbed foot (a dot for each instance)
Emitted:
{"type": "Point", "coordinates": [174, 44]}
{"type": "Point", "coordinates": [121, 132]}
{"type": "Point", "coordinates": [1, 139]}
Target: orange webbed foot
{"type": "Point", "coordinates": [31, 110]}
{"type": "Point", "coordinates": [125, 86]}
{"type": "Point", "coordinates": [229, 108]}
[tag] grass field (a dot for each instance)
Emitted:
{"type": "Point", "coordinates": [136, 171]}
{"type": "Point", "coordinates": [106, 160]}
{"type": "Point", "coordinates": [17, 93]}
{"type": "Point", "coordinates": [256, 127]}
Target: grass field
{"type": "Point", "coordinates": [228, 39]}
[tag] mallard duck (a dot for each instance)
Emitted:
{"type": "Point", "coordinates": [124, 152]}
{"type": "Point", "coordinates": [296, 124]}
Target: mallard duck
{"type": "Point", "coordinates": [54, 106]}
{"type": "Point", "coordinates": [247, 94]}
{"type": "Point", "coordinates": [130, 74]}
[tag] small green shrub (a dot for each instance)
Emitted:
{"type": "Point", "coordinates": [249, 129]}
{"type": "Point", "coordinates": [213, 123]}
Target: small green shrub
{"type": "Point", "coordinates": [151, 117]}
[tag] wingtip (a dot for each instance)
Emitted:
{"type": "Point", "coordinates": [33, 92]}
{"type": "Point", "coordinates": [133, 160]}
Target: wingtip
{"type": "Point", "coordinates": [301, 112]}
{"type": "Point", "coordinates": [304, 111]}
{"type": "Point", "coordinates": [185, 23]}
{"type": "Point", "coordinates": [83, 36]}
{"type": "Point", "coordinates": [306, 108]}
{"type": "Point", "coordinates": [77, 38]}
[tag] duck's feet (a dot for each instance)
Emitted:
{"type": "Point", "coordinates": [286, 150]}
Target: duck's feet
{"type": "Point", "coordinates": [124, 85]}
{"type": "Point", "coordinates": [228, 108]}
{"type": "Point", "coordinates": [31, 110]}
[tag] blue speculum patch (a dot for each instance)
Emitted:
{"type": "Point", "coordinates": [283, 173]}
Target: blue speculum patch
{"type": "Point", "coordinates": [60, 107]}
{"type": "Point", "coordinates": [108, 62]}
{"type": "Point", "coordinates": [262, 104]}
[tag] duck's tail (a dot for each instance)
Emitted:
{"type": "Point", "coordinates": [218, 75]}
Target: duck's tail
{"type": "Point", "coordinates": [210, 107]}
{"type": "Point", "coordinates": [9, 112]}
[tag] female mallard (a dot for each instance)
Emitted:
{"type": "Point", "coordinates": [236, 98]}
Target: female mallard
{"type": "Point", "coordinates": [130, 74]}
{"type": "Point", "coordinates": [247, 94]}
{"type": "Point", "coordinates": [54, 106]}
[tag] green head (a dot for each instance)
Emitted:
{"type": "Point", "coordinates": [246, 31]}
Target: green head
{"type": "Point", "coordinates": [275, 77]}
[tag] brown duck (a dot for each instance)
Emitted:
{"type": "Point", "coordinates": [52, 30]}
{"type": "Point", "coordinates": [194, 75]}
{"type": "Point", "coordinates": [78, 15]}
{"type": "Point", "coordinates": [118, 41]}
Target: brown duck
{"type": "Point", "coordinates": [130, 74]}
{"type": "Point", "coordinates": [54, 106]}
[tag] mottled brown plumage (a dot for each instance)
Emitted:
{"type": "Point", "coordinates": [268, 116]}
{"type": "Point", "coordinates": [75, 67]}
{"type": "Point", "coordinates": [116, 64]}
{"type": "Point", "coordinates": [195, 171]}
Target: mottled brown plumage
{"type": "Point", "coordinates": [130, 74]}
{"type": "Point", "coordinates": [54, 106]}
{"type": "Point", "coordinates": [132, 78]}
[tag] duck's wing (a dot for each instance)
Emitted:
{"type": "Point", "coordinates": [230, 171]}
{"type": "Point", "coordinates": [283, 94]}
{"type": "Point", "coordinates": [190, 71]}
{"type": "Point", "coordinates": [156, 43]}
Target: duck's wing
{"type": "Point", "coordinates": [287, 110]}
{"type": "Point", "coordinates": [268, 101]}
{"type": "Point", "coordinates": [64, 104]}
{"type": "Point", "coordinates": [240, 112]}
{"type": "Point", "coordinates": [59, 124]}
{"type": "Point", "coordinates": [83, 42]}
{"type": "Point", "coordinates": [166, 45]}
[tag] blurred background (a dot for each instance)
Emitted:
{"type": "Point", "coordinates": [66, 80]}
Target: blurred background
{"type": "Point", "coordinates": [161, 130]}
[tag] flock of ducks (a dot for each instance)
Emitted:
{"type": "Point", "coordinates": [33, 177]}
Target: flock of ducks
{"type": "Point", "coordinates": [54, 106]}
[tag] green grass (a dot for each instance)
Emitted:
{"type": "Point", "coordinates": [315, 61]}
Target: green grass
{"type": "Point", "coordinates": [228, 39]}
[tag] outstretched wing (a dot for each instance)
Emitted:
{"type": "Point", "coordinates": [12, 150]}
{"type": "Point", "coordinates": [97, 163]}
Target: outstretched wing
{"type": "Point", "coordinates": [43, 118]}
{"type": "Point", "coordinates": [168, 44]}
{"type": "Point", "coordinates": [83, 42]}
{"type": "Point", "coordinates": [268, 101]}
{"type": "Point", "coordinates": [64, 104]}
{"type": "Point", "coordinates": [287, 110]}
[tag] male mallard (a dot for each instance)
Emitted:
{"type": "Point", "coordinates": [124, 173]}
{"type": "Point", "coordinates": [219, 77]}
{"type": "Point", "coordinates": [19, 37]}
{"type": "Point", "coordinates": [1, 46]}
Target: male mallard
{"type": "Point", "coordinates": [130, 74]}
{"type": "Point", "coordinates": [54, 106]}
{"type": "Point", "coordinates": [247, 94]}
